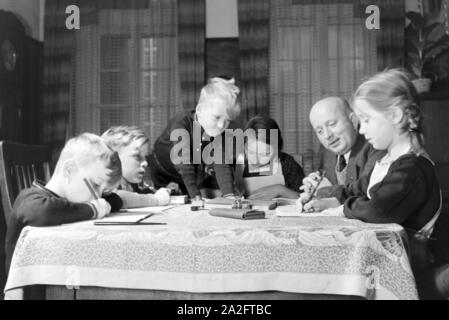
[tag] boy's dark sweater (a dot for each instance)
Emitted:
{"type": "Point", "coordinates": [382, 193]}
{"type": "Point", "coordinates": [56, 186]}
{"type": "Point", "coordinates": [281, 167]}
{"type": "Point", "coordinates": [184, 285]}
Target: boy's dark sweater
{"type": "Point", "coordinates": [37, 206]}
{"type": "Point", "coordinates": [186, 173]}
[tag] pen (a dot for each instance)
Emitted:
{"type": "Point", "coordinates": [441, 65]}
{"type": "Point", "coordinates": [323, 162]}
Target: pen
{"type": "Point", "coordinates": [90, 188]}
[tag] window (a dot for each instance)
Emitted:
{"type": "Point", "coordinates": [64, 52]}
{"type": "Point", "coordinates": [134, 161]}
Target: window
{"type": "Point", "coordinates": [126, 72]}
{"type": "Point", "coordinates": [316, 50]}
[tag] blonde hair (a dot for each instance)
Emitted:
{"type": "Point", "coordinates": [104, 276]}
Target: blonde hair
{"type": "Point", "coordinates": [88, 148]}
{"type": "Point", "coordinates": [394, 88]}
{"type": "Point", "coordinates": [122, 136]}
{"type": "Point", "coordinates": [226, 90]}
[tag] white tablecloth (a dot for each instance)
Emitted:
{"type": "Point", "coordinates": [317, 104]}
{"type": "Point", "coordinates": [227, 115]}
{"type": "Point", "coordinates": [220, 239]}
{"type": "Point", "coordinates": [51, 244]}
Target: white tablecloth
{"type": "Point", "coordinates": [196, 252]}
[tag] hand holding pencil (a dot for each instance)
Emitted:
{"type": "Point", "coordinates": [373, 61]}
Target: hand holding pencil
{"type": "Point", "coordinates": [308, 193]}
{"type": "Point", "coordinates": [101, 207]}
{"type": "Point", "coordinates": [308, 204]}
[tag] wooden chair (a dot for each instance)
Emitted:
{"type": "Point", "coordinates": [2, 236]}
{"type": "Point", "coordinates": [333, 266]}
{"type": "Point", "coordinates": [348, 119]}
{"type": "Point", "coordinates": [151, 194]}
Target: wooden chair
{"type": "Point", "coordinates": [20, 164]}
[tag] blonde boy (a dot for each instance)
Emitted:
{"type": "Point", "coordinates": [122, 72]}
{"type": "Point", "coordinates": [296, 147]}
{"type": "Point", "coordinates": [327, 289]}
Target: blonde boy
{"type": "Point", "coordinates": [217, 106]}
{"type": "Point", "coordinates": [66, 197]}
{"type": "Point", "coordinates": [132, 146]}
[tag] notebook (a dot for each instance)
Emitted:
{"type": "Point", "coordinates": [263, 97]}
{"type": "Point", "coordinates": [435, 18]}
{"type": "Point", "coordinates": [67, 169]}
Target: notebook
{"type": "Point", "coordinates": [179, 199]}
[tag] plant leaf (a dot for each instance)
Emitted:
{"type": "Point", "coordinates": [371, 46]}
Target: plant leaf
{"type": "Point", "coordinates": [429, 29]}
{"type": "Point", "coordinates": [437, 33]}
{"type": "Point", "coordinates": [416, 71]}
{"type": "Point", "coordinates": [436, 48]}
{"type": "Point", "coordinates": [414, 43]}
{"type": "Point", "coordinates": [416, 19]}
{"type": "Point", "coordinates": [413, 56]}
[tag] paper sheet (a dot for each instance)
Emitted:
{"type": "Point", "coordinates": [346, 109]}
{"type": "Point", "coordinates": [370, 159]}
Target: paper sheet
{"type": "Point", "coordinates": [294, 211]}
{"type": "Point", "coordinates": [147, 210]}
{"type": "Point", "coordinates": [123, 217]}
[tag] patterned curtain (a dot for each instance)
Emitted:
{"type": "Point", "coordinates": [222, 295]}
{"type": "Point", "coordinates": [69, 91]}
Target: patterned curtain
{"type": "Point", "coordinates": [390, 37]}
{"type": "Point", "coordinates": [59, 46]}
{"type": "Point", "coordinates": [120, 68]}
{"type": "Point", "coordinates": [323, 48]}
{"type": "Point", "coordinates": [191, 47]}
{"type": "Point", "coordinates": [254, 42]}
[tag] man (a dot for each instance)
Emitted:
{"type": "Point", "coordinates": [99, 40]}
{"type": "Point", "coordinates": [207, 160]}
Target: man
{"type": "Point", "coordinates": [345, 155]}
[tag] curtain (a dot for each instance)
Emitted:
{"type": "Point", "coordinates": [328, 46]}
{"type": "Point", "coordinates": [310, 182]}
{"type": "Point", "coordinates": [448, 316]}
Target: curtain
{"type": "Point", "coordinates": [390, 36]}
{"type": "Point", "coordinates": [319, 49]}
{"type": "Point", "coordinates": [119, 68]}
{"type": "Point", "coordinates": [253, 16]}
{"type": "Point", "coordinates": [59, 45]}
{"type": "Point", "coordinates": [191, 47]}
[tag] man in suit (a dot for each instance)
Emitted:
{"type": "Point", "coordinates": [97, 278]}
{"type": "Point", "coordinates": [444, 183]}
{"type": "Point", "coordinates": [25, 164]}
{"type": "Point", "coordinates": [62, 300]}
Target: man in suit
{"type": "Point", "coordinates": [345, 154]}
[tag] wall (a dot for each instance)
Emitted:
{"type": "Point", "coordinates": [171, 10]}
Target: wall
{"type": "Point", "coordinates": [221, 19]}
{"type": "Point", "coordinates": [30, 12]}
{"type": "Point", "coordinates": [411, 5]}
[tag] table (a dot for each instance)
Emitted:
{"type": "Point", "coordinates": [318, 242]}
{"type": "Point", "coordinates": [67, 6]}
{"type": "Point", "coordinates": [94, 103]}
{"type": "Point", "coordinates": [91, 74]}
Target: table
{"type": "Point", "coordinates": [196, 253]}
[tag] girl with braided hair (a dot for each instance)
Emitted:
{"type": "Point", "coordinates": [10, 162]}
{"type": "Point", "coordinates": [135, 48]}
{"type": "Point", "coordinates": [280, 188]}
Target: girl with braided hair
{"type": "Point", "coordinates": [402, 188]}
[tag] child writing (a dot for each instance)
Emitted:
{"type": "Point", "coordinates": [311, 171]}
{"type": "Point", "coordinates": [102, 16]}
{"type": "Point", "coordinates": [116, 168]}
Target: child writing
{"type": "Point", "coordinates": [402, 187]}
{"type": "Point", "coordinates": [66, 197]}
{"type": "Point", "coordinates": [272, 174]}
{"type": "Point", "coordinates": [132, 146]}
{"type": "Point", "coordinates": [216, 107]}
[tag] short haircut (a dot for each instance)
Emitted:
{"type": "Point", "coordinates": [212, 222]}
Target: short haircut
{"type": "Point", "coordinates": [226, 90]}
{"type": "Point", "coordinates": [259, 122]}
{"type": "Point", "coordinates": [88, 148]}
{"type": "Point", "coordinates": [122, 136]}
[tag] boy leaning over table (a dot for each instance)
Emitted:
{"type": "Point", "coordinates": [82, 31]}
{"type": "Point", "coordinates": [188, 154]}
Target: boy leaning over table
{"type": "Point", "coordinates": [217, 106]}
{"type": "Point", "coordinates": [66, 197]}
{"type": "Point", "coordinates": [132, 146]}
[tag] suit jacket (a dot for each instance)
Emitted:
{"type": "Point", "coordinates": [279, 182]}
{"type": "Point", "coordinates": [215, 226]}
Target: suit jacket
{"type": "Point", "coordinates": [361, 162]}
{"type": "Point", "coordinates": [362, 159]}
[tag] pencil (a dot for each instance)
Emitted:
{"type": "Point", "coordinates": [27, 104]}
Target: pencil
{"type": "Point", "coordinates": [126, 223]}
{"type": "Point", "coordinates": [147, 216]}
{"type": "Point", "coordinates": [152, 213]}
{"type": "Point", "coordinates": [90, 188]}
{"type": "Point", "coordinates": [318, 184]}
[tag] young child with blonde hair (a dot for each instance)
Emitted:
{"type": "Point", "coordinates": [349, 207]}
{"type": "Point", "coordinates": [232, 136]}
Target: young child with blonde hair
{"type": "Point", "coordinates": [216, 108]}
{"type": "Point", "coordinates": [132, 146]}
{"type": "Point", "coordinates": [403, 187]}
{"type": "Point", "coordinates": [66, 197]}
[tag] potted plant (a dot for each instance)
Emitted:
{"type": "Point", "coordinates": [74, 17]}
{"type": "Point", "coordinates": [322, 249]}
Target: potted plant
{"type": "Point", "coordinates": [425, 42]}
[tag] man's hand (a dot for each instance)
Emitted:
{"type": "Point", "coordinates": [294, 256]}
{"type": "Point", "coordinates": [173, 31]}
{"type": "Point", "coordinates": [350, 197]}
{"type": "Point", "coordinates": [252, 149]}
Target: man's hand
{"type": "Point", "coordinates": [303, 198]}
{"type": "Point", "coordinates": [103, 208]}
{"type": "Point", "coordinates": [318, 205]}
{"type": "Point", "coordinates": [311, 181]}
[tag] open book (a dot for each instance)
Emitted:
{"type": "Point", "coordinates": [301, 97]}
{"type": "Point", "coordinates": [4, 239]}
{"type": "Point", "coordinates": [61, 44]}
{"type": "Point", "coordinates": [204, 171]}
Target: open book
{"type": "Point", "coordinates": [135, 216]}
{"type": "Point", "coordinates": [127, 220]}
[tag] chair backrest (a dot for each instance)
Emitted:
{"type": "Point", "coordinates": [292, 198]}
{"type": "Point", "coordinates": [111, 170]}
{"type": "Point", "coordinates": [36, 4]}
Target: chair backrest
{"type": "Point", "coordinates": [20, 164]}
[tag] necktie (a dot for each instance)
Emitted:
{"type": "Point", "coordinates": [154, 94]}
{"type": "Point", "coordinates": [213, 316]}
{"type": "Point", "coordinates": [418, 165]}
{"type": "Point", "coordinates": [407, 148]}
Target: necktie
{"type": "Point", "coordinates": [341, 165]}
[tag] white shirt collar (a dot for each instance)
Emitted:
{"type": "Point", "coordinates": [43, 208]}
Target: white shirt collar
{"type": "Point", "coordinates": [347, 155]}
